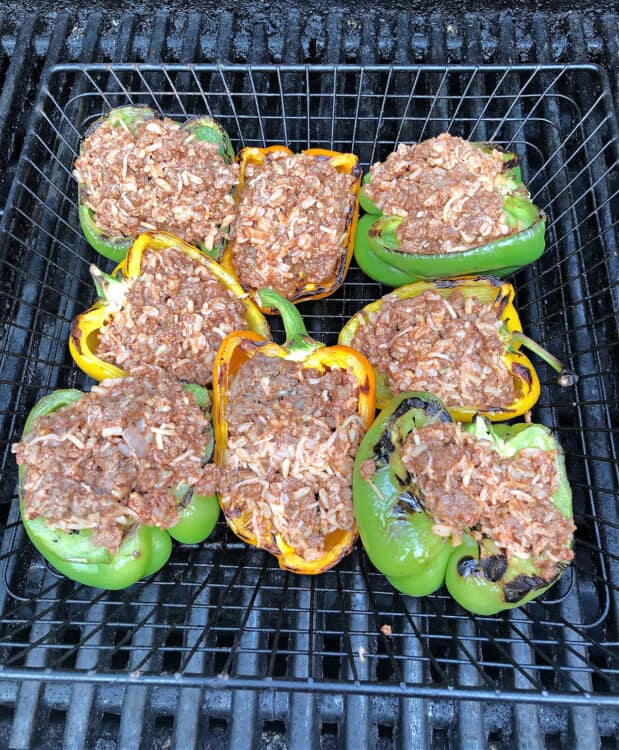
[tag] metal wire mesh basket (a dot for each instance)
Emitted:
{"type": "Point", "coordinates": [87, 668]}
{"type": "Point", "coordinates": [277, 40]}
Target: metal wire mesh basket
{"type": "Point", "coordinates": [222, 614]}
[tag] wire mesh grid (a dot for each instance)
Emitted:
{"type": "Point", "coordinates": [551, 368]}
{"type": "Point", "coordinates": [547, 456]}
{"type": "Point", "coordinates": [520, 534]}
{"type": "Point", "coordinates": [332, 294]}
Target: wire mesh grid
{"type": "Point", "coordinates": [222, 613]}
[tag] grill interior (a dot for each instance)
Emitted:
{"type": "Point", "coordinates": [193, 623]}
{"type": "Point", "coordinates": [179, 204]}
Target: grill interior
{"type": "Point", "coordinates": [221, 615]}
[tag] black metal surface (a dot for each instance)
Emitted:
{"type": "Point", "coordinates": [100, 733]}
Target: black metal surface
{"type": "Point", "coordinates": [275, 8]}
{"type": "Point", "coordinates": [43, 713]}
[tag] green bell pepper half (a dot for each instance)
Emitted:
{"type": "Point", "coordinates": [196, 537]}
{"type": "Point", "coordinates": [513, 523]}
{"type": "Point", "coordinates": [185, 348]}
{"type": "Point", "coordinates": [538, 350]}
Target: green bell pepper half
{"type": "Point", "coordinates": [397, 533]}
{"type": "Point", "coordinates": [376, 243]}
{"type": "Point", "coordinates": [144, 549]}
{"type": "Point", "coordinates": [204, 128]}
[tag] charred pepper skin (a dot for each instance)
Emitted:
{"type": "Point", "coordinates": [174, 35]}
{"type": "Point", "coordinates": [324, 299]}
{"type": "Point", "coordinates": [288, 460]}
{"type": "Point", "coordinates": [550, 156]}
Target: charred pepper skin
{"type": "Point", "coordinates": [144, 550]}
{"type": "Point", "coordinates": [395, 531]}
{"type": "Point", "coordinates": [204, 128]}
{"type": "Point", "coordinates": [397, 534]}
{"type": "Point", "coordinates": [376, 244]}
{"type": "Point", "coordinates": [343, 162]}
{"type": "Point", "coordinates": [83, 338]}
{"type": "Point", "coordinates": [240, 346]}
{"type": "Point", "coordinates": [500, 295]}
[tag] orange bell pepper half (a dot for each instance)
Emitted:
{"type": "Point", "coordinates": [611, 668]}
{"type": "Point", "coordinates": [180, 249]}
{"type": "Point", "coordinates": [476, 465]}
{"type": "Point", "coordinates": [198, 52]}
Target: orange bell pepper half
{"type": "Point", "coordinates": [240, 346]}
{"type": "Point", "coordinates": [345, 163]}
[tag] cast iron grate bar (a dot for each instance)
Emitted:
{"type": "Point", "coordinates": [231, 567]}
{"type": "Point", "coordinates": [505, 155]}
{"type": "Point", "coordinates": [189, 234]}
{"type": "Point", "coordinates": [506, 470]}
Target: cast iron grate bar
{"type": "Point", "coordinates": [436, 651]}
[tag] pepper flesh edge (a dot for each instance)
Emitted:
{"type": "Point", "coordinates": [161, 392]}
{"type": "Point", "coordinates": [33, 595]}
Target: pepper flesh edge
{"type": "Point", "coordinates": [499, 258]}
{"type": "Point", "coordinates": [345, 162]}
{"type": "Point", "coordinates": [371, 264]}
{"type": "Point", "coordinates": [402, 546]}
{"type": "Point", "coordinates": [488, 290]}
{"type": "Point", "coordinates": [82, 341]}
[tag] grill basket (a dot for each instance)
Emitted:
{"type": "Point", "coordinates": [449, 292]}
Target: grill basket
{"type": "Point", "coordinates": [222, 614]}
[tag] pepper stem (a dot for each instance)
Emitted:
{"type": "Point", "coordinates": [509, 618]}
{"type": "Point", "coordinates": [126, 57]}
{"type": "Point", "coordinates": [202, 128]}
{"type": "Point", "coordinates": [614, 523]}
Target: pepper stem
{"type": "Point", "coordinates": [566, 378]}
{"type": "Point", "coordinates": [298, 343]}
{"type": "Point", "coordinates": [109, 288]}
{"type": "Point", "coordinates": [386, 228]}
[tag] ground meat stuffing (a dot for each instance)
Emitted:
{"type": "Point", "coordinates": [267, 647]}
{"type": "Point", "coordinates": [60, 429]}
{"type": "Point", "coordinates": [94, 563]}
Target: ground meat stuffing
{"type": "Point", "coordinates": [113, 458]}
{"type": "Point", "coordinates": [175, 315]}
{"type": "Point", "coordinates": [466, 484]}
{"type": "Point", "coordinates": [448, 193]}
{"type": "Point", "coordinates": [449, 347]}
{"type": "Point", "coordinates": [159, 177]}
{"type": "Point", "coordinates": [292, 223]}
{"type": "Point", "coordinates": [293, 435]}
{"type": "Point", "coordinates": [367, 469]}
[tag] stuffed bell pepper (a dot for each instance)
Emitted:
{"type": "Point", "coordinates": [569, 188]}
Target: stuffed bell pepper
{"type": "Point", "coordinates": [484, 508]}
{"type": "Point", "coordinates": [446, 207]}
{"type": "Point", "coordinates": [166, 305]}
{"type": "Point", "coordinates": [457, 338]}
{"type": "Point", "coordinates": [288, 421]}
{"type": "Point", "coordinates": [296, 220]}
{"type": "Point", "coordinates": [138, 173]}
{"type": "Point", "coordinates": [106, 478]}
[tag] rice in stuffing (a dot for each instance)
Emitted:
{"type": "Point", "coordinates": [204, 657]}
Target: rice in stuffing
{"type": "Point", "coordinates": [466, 485]}
{"type": "Point", "coordinates": [175, 315]}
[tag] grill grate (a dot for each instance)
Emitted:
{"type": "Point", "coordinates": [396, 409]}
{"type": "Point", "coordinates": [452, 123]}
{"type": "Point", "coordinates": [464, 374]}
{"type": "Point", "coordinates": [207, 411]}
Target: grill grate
{"type": "Point", "coordinates": [220, 615]}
